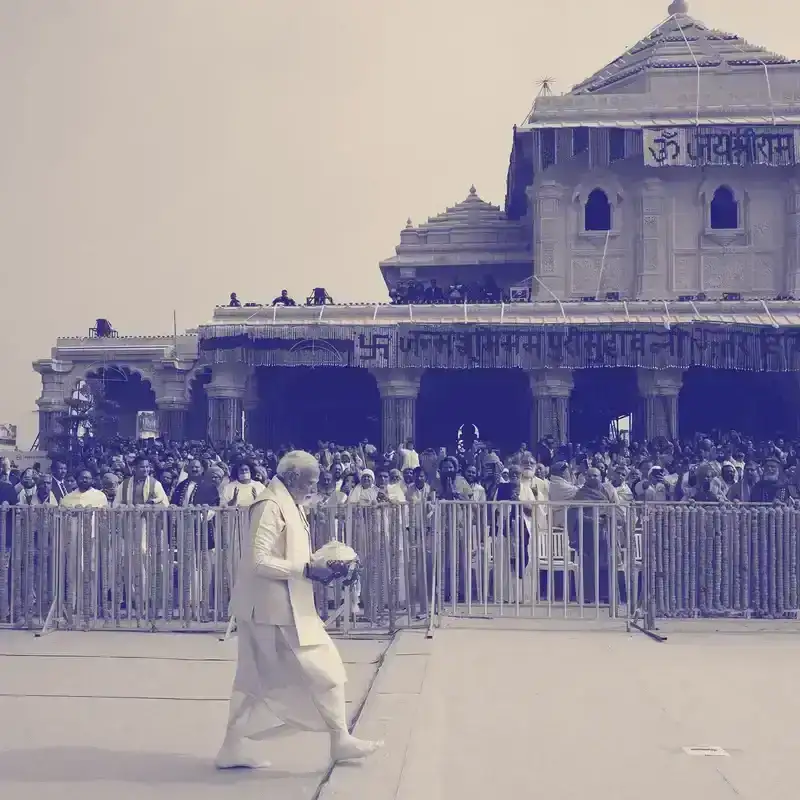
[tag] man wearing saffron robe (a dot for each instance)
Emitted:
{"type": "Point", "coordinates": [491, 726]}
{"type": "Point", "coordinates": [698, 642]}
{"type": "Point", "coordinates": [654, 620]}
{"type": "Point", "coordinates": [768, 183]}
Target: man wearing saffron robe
{"type": "Point", "coordinates": [289, 674]}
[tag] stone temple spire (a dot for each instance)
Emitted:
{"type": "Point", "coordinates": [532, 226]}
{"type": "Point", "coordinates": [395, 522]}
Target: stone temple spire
{"type": "Point", "coordinates": [678, 7]}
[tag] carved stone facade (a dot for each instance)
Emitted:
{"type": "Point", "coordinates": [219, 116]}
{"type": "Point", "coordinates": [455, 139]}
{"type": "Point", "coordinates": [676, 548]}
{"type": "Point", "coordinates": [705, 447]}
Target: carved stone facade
{"type": "Point", "coordinates": [167, 363]}
{"type": "Point", "coordinates": [663, 241]}
{"type": "Point", "coordinates": [661, 244]}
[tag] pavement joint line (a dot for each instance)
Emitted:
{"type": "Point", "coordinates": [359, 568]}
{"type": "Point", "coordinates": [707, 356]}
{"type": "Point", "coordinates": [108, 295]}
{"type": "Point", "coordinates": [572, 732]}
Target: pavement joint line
{"type": "Point", "coordinates": [101, 657]}
{"type": "Point", "coordinates": [356, 716]}
{"type": "Point", "coordinates": [60, 696]}
{"type": "Point", "coordinates": [368, 696]}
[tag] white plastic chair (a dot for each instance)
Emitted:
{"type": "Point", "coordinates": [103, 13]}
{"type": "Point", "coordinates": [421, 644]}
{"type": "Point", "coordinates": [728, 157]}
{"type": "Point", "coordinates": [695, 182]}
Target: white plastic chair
{"type": "Point", "coordinates": [558, 563]}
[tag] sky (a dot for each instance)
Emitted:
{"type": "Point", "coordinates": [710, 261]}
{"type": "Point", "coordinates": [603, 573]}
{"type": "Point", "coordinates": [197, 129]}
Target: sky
{"type": "Point", "coordinates": [156, 155]}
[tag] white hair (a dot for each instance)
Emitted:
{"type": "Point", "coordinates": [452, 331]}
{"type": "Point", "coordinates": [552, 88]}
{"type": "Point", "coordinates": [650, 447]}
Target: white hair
{"type": "Point", "coordinates": [294, 464]}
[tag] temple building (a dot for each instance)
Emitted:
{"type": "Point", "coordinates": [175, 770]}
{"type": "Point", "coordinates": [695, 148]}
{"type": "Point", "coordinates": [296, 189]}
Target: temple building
{"type": "Point", "coordinates": [645, 262]}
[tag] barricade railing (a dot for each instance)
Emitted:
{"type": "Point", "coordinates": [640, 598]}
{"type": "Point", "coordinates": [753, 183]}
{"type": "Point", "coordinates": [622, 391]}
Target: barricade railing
{"type": "Point", "coordinates": [174, 567]}
{"type": "Point", "coordinates": [168, 567]}
{"type": "Point", "coordinates": [574, 560]}
{"type": "Point", "coordinates": [720, 560]}
{"type": "Point", "coordinates": [141, 565]}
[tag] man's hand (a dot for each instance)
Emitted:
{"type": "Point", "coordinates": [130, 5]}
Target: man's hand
{"type": "Point", "coordinates": [319, 574]}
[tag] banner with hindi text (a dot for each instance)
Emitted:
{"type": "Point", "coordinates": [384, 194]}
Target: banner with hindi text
{"type": "Point", "coordinates": [700, 146]}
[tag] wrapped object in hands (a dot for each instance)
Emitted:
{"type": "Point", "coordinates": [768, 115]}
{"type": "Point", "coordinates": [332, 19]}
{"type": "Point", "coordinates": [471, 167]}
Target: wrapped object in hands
{"type": "Point", "coordinates": [341, 559]}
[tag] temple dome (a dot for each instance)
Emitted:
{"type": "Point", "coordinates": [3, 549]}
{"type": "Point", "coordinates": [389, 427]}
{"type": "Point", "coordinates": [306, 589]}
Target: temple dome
{"type": "Point", "coordinates": [681, 42]}
{"type": "Point", "coordinates": [470, 232]}
{"type": "Point", "coordinates": [470, 211]}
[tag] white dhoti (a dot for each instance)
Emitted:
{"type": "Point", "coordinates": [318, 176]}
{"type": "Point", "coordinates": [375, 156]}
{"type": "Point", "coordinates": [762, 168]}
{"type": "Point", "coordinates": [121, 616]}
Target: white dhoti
{"type": "Point", "coordinates": [281, 687]}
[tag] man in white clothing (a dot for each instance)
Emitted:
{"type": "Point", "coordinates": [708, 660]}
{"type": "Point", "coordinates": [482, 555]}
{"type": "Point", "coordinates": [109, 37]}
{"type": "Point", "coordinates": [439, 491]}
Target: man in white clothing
{"type": "Point", "coordinates": [289, 674]}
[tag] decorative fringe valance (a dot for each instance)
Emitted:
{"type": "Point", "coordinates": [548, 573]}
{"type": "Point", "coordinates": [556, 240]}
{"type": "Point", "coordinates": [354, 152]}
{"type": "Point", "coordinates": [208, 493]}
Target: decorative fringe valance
{"type": "Point", "coordinates": [736, 347]}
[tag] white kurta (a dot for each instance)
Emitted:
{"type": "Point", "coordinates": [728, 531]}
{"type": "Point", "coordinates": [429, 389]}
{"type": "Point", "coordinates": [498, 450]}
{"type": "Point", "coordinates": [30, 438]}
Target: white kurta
{"type": "Point", "coordinates": [288, 676]}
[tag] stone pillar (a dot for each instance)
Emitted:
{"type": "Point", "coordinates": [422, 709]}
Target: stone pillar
{"type": "Point", "coordinates": [551, 389]}
{"type": "Point", "coordinates": [793, 241]}
{"type": "Point", "coordinates": [550, 236]}
{"type": "Point", "coordinates": [56, 389]}
{"type": "Point", "coordinates": [651, 272]}
{"type": "Point", "coordinates": [659, 390]}
{"type": "Point", "coordinates": [251, 403]}
{"type": "Point", "coordinates": [172, 419]}
{"type": "Point", "coordinates": [399, 389]}
{"type": "Point", "coordinates": [49, 425]}
{"type": "Point", "coordinates": [225, 402]}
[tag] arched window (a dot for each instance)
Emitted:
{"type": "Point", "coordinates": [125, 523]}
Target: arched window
{"type": "Point", "coordinates": [597, 211]}
{"type": "Point", "coordinates": [724, 210]}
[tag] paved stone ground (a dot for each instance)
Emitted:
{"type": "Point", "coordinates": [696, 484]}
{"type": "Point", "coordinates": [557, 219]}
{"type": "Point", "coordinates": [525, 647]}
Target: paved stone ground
{"type": "Point", "coordinates": [495, 709]}
{"type": "Point", "coordinates": [138, 715]}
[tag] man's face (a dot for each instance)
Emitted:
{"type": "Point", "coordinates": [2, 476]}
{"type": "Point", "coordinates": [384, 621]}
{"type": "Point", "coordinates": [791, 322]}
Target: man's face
{"type": "Point", "coordinates": [771, 471]}
{"type": "Point", "coordinates": [471, 474]}
{"type": "Point", "coordinates": [243, 474]}
{"type": "Point", "coordinates": [141, 469]}
{"type": "Point", "coordinates": [728, 473]}
{"type": "Point", "coordinates": [751, 473]}
{"type": "Point", "coordinates": [366, 481]}
{"type": "Point", "coordinates": [59, 470]}
{"type": "Point", "coordinates": [382, 479]}
{"type": "Point", "coordinates": [304, 485]}
{"type": "Point", "coordinates": [326, 482]}
{"type": "Point", "coordinates": [27, 479]}
{"type": "Point", "coordinates": [593, 478]}
{"type": "Point", "coordinates": [110, 485]}
{"type": "Point", "coordinates": [85, 480]}
{"type": "Point", "coordinates": [447, 470]}
{"type": "Point", "coordinates": [408, 476]}
{"type": "Point", "coordinates": [195, 470]}
{"type": "Point", "coordinates": [514, 476]}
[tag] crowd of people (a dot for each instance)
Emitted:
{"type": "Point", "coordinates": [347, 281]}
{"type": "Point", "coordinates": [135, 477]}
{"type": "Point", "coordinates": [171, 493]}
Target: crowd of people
{"type": "Point", "coordinates": [410, 292]}
{"type": "Point", "coordinates": [724, 468]}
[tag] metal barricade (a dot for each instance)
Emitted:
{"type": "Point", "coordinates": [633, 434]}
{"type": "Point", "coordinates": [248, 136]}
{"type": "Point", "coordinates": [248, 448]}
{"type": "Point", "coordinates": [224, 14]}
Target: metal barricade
{"type": "Point", "coordinates": [719, 560]}
{"type": "Point", "coordinates": [167, 568]}
{"type": "Point", "coordinates": [573, 560]}
{"type": "Point", "coordinates": [121, 567]}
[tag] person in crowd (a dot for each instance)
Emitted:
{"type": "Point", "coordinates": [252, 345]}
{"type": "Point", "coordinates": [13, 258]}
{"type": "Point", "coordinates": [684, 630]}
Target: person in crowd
{"type": "Point", "coordinates": [43, 495]}
{"type": "Point", "coordinates": [773, 487]}
{"type": "Point", "coordinates": [58, 470]}
{"type": "Point", "coordinates": [110, 485]}
{"type": "Point", "coordinates": [27, 488]}
{"type": "Point", "coordinates": [141, 488]}
{"type": "Point", "coordinates": [283, 299]}
{"type": "Point", "coordinates": [243, 491]}
{"type": "Point", "coordinates": [365, 492]}
{"type": "Point", "coordinates": [184, 493]}
{"type": "Point", "coordinates": [407, 456]}
{"type": "Point", "coordinates": [742, 490]}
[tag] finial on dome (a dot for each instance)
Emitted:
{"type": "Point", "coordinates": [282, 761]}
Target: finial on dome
{"type": "Point", "coordinates": [409, 224]}
{"type": "Point", "coordinates": [472, 190]}
{"type": "Point", "coordinates": [678, 7]}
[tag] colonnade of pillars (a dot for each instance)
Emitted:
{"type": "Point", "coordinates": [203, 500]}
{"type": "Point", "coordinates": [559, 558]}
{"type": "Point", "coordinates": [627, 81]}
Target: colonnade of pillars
{"type": "Point", "coordinates": [233, 409]}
